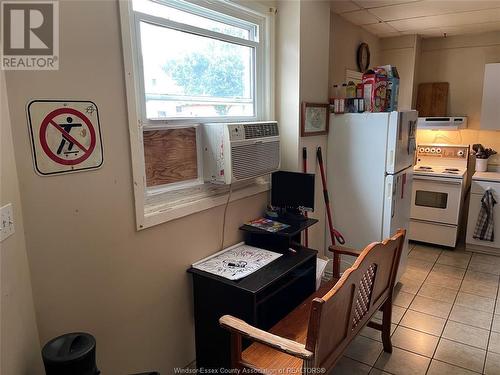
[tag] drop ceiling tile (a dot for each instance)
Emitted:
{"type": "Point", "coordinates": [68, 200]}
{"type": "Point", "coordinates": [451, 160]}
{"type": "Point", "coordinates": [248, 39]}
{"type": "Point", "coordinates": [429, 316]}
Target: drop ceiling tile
{"type": "Point", "coordinates": [368, 4]}
{"type": "Point", "coordinates": [379, 28]}
{"type": "Point", "coordinates": [388, 35]}
{"type": "Point", "coordinates": [360, 17]}
{"type": "Point", "coordinates": [457, 19]}
{"type": "Point", "coordinates": [431, 8]}
{"type": "Point", "coordinates": [341, 6]}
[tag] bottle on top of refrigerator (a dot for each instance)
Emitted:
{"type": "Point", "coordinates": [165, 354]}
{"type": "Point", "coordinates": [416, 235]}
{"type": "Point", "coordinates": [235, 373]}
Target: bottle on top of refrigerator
{"type": "Point", "coordinates": [350, 97]}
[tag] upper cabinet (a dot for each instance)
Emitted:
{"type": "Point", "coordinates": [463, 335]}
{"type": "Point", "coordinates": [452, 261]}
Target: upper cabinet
{"type": "Point", "coordinates": [490, 108]}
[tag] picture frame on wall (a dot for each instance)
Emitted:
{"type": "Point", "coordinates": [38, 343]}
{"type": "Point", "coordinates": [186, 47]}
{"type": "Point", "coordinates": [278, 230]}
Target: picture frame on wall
{"type": "Point", "coordinates": [314, 119]}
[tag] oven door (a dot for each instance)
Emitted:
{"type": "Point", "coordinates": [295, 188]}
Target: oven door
{"type": "Point", "coordinates": [436, 199]}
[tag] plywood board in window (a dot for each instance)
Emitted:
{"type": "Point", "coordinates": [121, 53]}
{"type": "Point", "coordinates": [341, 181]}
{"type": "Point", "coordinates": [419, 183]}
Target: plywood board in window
{"type": "Point", "coordinates": [170, 156]}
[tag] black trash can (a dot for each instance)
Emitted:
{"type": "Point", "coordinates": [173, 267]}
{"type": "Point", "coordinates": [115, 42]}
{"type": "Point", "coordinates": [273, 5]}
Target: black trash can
{"type": "Point", "coordinates": [72, 353]}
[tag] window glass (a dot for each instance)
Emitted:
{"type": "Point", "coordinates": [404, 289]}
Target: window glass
{"type": "Point", "coordinates": [431, 199]}
{"type": "Point", "coordinates": [195, 76]}
{"type": "Point", "coordinates": [160, 10]}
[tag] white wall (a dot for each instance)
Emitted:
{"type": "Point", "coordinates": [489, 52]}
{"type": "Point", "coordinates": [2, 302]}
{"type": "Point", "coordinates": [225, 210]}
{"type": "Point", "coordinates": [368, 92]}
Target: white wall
{"type": "Point", "coordinates": [345, 38]}
{"type": "Point", "coordinates": [402, 53]}
{"type": "Point", "coordinates": [19, 343]}
{"type": "Point", "coordinates": [90, 269]}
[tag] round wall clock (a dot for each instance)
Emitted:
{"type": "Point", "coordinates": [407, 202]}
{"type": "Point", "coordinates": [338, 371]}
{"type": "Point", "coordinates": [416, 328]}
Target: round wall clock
{"type": "Point", "coordinates": [363, 57]}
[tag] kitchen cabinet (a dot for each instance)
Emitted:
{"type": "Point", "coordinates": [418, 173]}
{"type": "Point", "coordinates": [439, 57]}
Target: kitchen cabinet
{"type": "Point", "coordinates": [490, 110]}
{"type": "Point", "coordinates": [481, 182]}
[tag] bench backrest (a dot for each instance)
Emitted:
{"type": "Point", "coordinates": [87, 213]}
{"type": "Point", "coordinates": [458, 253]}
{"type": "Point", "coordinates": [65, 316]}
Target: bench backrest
{"type": "Point", "coordinates": [337, 317]}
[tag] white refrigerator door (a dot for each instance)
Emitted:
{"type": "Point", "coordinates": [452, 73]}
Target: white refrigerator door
{"type": "Point", "coordinates": [397, 203]}
{"type": "Point", "coordinates": [401, 142]}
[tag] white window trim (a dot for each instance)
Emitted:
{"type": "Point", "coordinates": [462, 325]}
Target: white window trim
{"type": "Point", "coordinates": [147, 213]}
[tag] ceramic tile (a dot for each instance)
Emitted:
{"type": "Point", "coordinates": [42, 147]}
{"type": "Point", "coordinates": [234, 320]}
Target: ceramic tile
{"type": "Point", "coordinates": [465, 334]}
{"type": "Point", "coordinates": [455, 272]}
{"type": "Point", "coordinates": [488, 289]}
{"type": "Point", "coordinates": [365, 350]}
{"type": "Point", "coordinates": [494, 344]}
{"type": "Point", "coordinates": [492, 365]}
{"type": "Point", "coordinates": [484, 267]}
{"type": "Point", "coordinates": [423, 322]}
{"type": "Point", "coordinates": [495, 327]}
{"type": "Point", "coordinates": [471, 317]}
{"type": "Point", "coordinates": [409, 285]}
{"type": "Point", "coordinates": [425, 253]}
{"type": "Point", "coordinates": [402, 362]}
{"type": "Point", "coordinates": [486, 259]}
{"type": "Point", "coordinates": [437, 292]}
{"type": "Point", "coordinates": [481, 277]}
{"type": "Point", "coordinates": [414, 341]}
{"type": "Point", "coordinates": [443, 281]}
{"type": "Point", "coordinates": [374, 334]}
{"type": "Point", "coordinates": [416, 274]}
{"type": "Point", "coordinates": [475, 302]}
{"type": "Point", "coordinates": [403, 299]}
{"type": "Point", "coordinates": [431, 306]}
{"type": "Point", "coordinates": [460, 355]}
{"type": "Point", "coordinates": [419, 264]}
{"type": "Point", "coordinates": [376, 371]}
{"type": "Point", "coordinates": [441, 368]}
{"type": "Point", "coordinates": [347, 366]}
{"type": "Point", "coordinates": [454, 258]}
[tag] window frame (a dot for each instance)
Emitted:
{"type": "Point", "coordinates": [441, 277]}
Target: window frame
{"type": "Point", "coordinates": [258, 71]}
{"type": "Point", "coordinates": [165, 208]}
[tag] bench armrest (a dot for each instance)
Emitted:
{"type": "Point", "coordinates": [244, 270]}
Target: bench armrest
{"type": "Point", "coordinates": [344, 250]}
{"type": "Point", "coordinates": [236, 325]}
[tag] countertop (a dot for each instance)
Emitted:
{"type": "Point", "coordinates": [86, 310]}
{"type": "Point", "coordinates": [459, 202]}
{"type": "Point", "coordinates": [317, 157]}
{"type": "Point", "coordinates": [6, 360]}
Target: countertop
{"type": "Point", "coordinates": [486, 176]}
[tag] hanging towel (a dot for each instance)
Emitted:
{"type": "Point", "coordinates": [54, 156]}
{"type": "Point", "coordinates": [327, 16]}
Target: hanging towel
{"type": "Point", "coordinates": [484, 224]}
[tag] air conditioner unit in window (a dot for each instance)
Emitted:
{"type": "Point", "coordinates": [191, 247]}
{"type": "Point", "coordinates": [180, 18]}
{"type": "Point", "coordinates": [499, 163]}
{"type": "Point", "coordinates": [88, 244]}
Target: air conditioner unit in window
{"type": "Point", "coordinates": [239, 151]}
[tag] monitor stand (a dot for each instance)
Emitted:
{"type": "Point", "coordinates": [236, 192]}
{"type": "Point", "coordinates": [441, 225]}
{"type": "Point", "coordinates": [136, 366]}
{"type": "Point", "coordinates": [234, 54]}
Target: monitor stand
{"type": "Point", "coordinates": [291, 216]}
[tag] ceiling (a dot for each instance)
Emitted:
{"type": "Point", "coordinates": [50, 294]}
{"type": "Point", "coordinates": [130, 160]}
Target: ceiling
{"type": "Point", "coordinates": [429, 18]}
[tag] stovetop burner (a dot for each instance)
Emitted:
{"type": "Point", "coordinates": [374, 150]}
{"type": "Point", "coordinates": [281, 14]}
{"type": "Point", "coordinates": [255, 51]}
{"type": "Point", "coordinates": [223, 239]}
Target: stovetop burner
{"type": "Point", "coordinates": [451, 169]}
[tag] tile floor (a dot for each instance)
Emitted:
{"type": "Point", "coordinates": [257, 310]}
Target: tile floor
{"type": "Point", "coordinates": [446, 319]}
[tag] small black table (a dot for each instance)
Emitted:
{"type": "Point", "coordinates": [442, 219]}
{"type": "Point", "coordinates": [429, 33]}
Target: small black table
{"type": "Point", "coordinates": [261, 299]}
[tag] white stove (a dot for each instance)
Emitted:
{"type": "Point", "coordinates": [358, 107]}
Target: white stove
{"type": "Point", "coordinates": [439, 181]}
{"type": "Point", "coordinates": [439, 171]}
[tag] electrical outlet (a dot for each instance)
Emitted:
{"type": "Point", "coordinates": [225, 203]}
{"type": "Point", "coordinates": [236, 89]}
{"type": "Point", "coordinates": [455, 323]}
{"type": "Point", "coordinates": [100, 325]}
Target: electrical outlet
{"type": "Point", "coordinates": [6, 222]}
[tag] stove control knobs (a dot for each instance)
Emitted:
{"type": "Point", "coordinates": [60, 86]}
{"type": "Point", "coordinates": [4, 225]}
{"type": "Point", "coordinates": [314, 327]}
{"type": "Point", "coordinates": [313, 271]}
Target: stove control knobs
{"type": "Point", "coordinates": [427, 149]}
{"type": "Point", "coordinates": [433, 150]}
{"type": "Point", "coordinates": [438, 150]}
{"type": "Point", "coordinates": [460, 153]}
{"type": "Point", "coordinates": [421, 149]}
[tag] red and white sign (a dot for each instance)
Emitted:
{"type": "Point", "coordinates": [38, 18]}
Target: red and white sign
{"type": "Point", "coordinates": [65, 136]}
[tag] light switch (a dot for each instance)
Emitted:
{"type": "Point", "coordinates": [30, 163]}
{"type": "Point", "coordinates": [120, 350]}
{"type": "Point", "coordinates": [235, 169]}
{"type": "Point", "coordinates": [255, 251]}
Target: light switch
{"type": "Point", "coordinates": [6, 222]}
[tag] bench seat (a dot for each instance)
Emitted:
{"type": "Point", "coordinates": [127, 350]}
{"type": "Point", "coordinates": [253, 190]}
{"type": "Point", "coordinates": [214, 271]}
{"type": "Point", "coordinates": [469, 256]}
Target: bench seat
{"type": "Point", "coordinates": [294, 327]}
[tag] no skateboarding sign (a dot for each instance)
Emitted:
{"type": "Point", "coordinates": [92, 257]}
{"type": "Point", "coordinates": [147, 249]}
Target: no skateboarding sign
{"type": "Point", "coordinates": [65, 136]}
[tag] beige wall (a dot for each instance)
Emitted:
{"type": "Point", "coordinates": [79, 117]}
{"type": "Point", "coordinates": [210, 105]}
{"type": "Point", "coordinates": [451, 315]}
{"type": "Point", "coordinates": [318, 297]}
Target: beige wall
{"type": "Point", "coordinates": [314, 64]}
{"type": "Point", "coordinates": [401, 52]}
{"type": "Point", "coordinates": [288, 81]}
{"type": "Point", "coordinates": [90, 269]}
{"type": "Point", "coordinates": [345, 38]}
{"type": "Point", "coordinates": [460, 61]}
{"type": "Point", "coordinates": [19, 343]}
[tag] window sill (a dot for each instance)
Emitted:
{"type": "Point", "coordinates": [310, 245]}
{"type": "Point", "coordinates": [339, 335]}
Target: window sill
{"type": "Point", "coordinates": [163, 207]}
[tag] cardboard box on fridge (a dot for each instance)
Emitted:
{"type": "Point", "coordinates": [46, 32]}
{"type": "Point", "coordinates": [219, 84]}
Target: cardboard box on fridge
{"type": "Point", "coordinates": [392, 87]}
{"type": "Point", "coordinates": [374, 91]}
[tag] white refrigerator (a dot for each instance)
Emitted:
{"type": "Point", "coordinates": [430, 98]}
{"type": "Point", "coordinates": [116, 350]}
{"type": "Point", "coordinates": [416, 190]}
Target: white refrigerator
{"type": "Point", "coordinates": [370, 159]}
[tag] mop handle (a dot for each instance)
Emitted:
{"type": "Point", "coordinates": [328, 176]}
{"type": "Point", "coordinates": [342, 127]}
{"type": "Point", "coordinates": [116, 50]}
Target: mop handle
{"type": "Point", "coordinates": [334, 234]}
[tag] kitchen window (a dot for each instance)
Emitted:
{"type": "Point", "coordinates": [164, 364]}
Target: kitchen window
{"type": "Point", "coordinates": [187, 64]}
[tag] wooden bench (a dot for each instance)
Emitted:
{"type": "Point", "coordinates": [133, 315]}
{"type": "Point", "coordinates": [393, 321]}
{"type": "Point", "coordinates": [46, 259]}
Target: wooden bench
{"type": "Point", "coordinates": [315, 335]}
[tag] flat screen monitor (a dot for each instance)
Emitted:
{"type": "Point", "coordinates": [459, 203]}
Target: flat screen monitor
{"type": "Point", "coordinates": [292, 190]}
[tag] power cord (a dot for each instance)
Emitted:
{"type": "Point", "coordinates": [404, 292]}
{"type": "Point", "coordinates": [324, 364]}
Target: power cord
{"type": "Point", "coordinates": [224, 219]}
